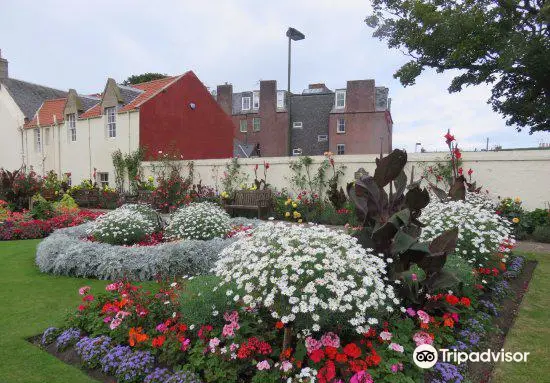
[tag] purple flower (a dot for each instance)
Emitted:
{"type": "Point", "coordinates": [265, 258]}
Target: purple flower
{"type": "Point", "coordinates": [67, 339]}
{"type": "Point", "coordinates": [448, 373]}
{"type": "Point", "coordinates": [92, 350]}
{"type": "Point", "coordinates": [134, 367]}
{"type": "Point", "coordinates": [113, 358]}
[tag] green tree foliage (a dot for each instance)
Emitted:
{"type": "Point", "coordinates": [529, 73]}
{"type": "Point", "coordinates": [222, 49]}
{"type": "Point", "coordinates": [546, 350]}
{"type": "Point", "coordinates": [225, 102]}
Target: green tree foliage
{"type": "Point", "coordinates": [144, 77]}
{"type": "Point", "coordinates": [505, 43]}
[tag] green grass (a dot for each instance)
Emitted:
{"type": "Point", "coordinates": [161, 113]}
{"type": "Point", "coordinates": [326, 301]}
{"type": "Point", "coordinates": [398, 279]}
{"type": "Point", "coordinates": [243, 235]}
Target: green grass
{"type": "Point", "coordinates": [531, 332]}
{"type": "Point", "coordinates": [29, 303]}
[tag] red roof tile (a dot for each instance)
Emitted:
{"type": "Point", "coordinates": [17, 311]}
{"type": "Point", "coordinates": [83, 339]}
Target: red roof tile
{"type": "Point", "coordinates": [50, 111]}
{"type": "Point", "coordinates": [150, 89]}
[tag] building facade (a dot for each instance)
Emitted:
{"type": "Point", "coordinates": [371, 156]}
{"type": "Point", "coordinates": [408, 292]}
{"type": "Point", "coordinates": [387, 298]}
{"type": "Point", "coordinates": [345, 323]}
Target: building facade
{"type": "Point", "coordinates": [72, 133]}
{"type": "Point", "coordinates": [351, 120]}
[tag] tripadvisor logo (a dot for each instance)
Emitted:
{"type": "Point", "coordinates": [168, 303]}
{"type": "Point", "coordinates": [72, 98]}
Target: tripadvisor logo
{"type": "Point", "coordinates": [426, 356]}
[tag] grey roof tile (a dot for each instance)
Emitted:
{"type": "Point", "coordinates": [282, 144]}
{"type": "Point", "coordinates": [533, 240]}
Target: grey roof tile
{"type": "Point", "coordinates": [29, 96]}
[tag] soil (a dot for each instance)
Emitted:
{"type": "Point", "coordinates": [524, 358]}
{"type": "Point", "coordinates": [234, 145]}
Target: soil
{"type": "Point", "coordinates": [481, 372]}
{"type": "Point", "coordinates": [478, 372]}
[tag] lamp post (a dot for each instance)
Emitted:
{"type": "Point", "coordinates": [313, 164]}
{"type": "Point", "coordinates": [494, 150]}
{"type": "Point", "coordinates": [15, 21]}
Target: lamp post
{"type": "Point", "coordinates": [292, 34]}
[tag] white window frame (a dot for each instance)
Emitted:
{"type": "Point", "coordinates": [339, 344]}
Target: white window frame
{"type": "Point", "coordinates": [243, 124]}
{"type": "Point", "coordinates": [248, 103]}
{"type": "Point", "coordinates": [343, 125]}
{"type": "Point", "coordinates": [322, 137]}
{"type": "Point", "coordinates": [71, 125]}
{"type": "Point", "coordinates": [47, 137]}
{"type": "Point", "coordinates": [297, 125]}
{"type": "Point", "coordinates": [256, 120]}
{"type": "Point", "coordinates": [297, 151]}
{"type": "Point", "coordinates": [37, 140]}
{"type": "Point", "coordinates": [103, 179]}
{"type": "Point", "coordinates": [280, 99]}
{"type": "Point", "coordinates": [255, 100]}
{"type": "Point", "coordinates": [341, 146]}
{"type": "Point", "coordinates": [110, 118]}
{"type": "Point", "coordinates": [342, 93]}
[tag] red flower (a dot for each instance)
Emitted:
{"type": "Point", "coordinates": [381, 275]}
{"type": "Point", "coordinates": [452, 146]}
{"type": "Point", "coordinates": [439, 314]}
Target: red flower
{"type": "Point", "coordinates": [317, 356]}
{"type": "Point", "coordinates": [470, 171]}
{"type": "Point", "coordinates": [266, 165]}
{"type": "Point", "coordinates": [279, 325]}
{"type": "Point", "coordinates": [352, 350]}
{"type": "Point", "coordinates": [81, 308]}
{"type": "Point", "coordinates": [464, 301]}
{"type": "Point", "coordinates": [341, 358]}
{"type": "Point", "coordinates": [451, 299]}
{"type": "Point", "coordinates": [327, 372]}
{"type": "Point", "coordinates": [158, 341]}
{"type": "Point", "coordinates": [449, 138]}
{"type": "Point", "coordinates": [331, 352]}
{"type": "Point", "coordinates": [457, 154]}
{"type": "Point", "coordinates": [460, 171]}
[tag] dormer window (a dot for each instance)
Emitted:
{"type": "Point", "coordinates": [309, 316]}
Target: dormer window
{"type": "Point", "coordinates": [71, 126]}
{"type": "Point", "coordinates": [110, 113]}
{"type": "Point", "coordinates": [340, 99]}
{"type": "Point", "coordinates": [246, 103]}
{"type": "Point", "coordinates": [256, 100]}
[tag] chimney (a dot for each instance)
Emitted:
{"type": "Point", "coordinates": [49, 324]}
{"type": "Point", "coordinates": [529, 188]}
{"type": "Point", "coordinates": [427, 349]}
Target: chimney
{"type": "Point", "coordinates": [319, 85]}
{"type": "Point", "coordinates": [224, 96]}
{"type": "Point", "coordinates": [3, 66]}
{"type": "Point", "coordinates": [268, 96]}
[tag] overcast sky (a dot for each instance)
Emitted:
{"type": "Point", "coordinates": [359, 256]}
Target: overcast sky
{"type": "Point", "coordinates": [79, 44]}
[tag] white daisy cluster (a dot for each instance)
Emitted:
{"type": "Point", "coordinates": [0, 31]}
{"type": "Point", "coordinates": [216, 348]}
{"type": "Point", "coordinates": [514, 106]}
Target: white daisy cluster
{"type": "Point", "coordinates": [481, 232]}
{"type": "Point", "coordinates": [202, 221]}
{"type": "Point", "coordinates": [311, 277]}
{"type": "Point", "coordinates": [123, 226]}
{"type": "Point", "coordinates": [483, 200]}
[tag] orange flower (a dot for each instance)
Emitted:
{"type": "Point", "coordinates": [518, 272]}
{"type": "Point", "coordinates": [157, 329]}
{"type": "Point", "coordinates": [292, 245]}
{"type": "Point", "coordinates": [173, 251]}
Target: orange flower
{"type": "Point", "coordinates": [279, 325]}
{"type": "Point", "coordinates": [449, 322]}
{"type": "Point", "coordinates": [424, 325]}
{"type": "Point", "coordinates": [158, 341]}
{"type": "Point", "coordinates": [135, 336]}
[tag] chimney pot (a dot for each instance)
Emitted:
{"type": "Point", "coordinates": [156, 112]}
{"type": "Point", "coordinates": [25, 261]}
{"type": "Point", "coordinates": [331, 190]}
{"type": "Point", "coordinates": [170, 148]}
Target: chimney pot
{"type": "Point", "coordinates": [3, 66]}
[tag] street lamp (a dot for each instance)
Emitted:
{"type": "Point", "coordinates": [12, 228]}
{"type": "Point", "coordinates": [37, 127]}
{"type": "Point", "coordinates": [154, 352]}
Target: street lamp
{"type": "Point", "coordinates": [292, 34]}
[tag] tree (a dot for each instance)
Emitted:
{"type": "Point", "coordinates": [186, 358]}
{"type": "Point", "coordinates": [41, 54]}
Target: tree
{"type": "Point", "coordinates": [505, 43]}
{"type": "Point", "coordinates": [144, 77]}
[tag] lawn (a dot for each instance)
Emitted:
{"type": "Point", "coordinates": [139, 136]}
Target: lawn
{"type": "Point", "coordinates": [531, 332]}
{"type": "Point", "coordinates": [31, 301]}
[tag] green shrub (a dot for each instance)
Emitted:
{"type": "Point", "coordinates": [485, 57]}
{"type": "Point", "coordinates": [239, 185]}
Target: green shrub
{"type": "Point", "coordinates": [41, 209]}
{"type": "Point", "coordinates": [542, 234]}
{"type": "Point", "coordinates": [65, 205]}
{"type": "Point", "coordinates": [538, 217]}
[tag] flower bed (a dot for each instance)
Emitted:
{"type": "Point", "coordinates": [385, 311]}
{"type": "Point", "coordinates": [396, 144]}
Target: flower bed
{"type": "Point", "coordinates": [67, 252]}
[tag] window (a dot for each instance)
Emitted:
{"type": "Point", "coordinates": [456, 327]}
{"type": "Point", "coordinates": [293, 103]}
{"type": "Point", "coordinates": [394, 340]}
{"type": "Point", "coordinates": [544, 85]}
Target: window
{"type": "Point", "coordinates": [340, 99]}
{"type": "Point", "coordinates": [243, 126]}
{"type": "Point", "coordinates": [47, 137]}
{"type": "Point", "coordinates": [297, 152]}
{"type": "Point", "coordinates": [256, 124]}
{"type": "Point", "coordinates": [103, 179]}
{"type": "Point", "coordinates": [246, 103]}
{"type": "Point", "coordinates": [71, 124]}
{"type": "Point", "coordinates": [341, 149]}
{"type": "Point", "coordinates": [280, 99]}
{"type": "Point", "coordinates": [111, 121]}
{"type": "Point", "coordinates": [322, 137]}
{"type": "Point", "coordinates": [37, 140]}
{"type": "Point", "coordinates": [297, 125]}
{"type": "Point", "coordinates": [341, 126]}
{"type": "Point", "coordinates": [256, 100]}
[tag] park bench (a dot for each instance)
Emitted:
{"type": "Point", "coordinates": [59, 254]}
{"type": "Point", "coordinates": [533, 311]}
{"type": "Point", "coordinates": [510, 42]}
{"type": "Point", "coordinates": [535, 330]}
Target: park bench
{"type": "Point", "coordinates": [260, 200]}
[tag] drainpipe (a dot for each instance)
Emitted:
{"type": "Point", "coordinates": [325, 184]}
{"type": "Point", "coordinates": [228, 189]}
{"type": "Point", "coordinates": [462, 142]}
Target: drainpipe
{"type": "Point", "coordinates": [129, 146]}
{"type": "Point", "coordinates": [89, 150]}
{"type": "Point", "coordinates": [22, 132]}
{"type": "Point", "coordinates": [59, 151]}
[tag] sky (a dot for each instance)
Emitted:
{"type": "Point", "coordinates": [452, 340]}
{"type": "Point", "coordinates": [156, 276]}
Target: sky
{"type": "Point", "coordinates": [79, 44]}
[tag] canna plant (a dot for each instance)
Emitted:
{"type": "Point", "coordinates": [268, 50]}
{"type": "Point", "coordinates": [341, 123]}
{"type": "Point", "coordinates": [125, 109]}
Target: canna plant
{"type": "Point", "coordinates": [391, 227]}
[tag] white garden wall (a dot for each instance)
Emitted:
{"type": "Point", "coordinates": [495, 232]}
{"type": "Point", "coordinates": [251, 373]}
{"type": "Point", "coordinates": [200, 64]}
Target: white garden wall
{"type": "Point", "coordinates": [518, 173]}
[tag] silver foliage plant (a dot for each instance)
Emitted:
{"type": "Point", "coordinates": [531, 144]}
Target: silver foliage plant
{"type": "Point", "coordinates": [66, 252]}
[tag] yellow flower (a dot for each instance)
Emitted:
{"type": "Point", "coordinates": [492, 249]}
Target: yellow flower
{"type": "Point", "coordinates": [297, 214]}
{"type": "Point", "coordinates": [300, 220]}
{"type": "Point", "coordinates": [287, 214]}
{"type": "Point", "coordinates": [286, 203]}
{"type": "Point", "coordinates": [517, 200]}
{"type": "Point", "coordinates": [294, 205]}
{"type": "Point", "coordinates": [515, 220]}
{"type": "Point", "coordinates": [150, 179]}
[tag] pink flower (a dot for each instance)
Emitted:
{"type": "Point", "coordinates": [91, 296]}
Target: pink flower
{"type": "Point", "coordinates": [84, 290]}
{"type": "Point", "coordinates": [185, 344]}
{"type": "Point", "coordinates": [361, 377]}
{"type": "Point", "coordinates": [396, 347]}
{"type": "Point", "coordinates": [229, 330]}
{"type": "Point", "coordinates": [397, 367]}
{"type": "Point", "coordinates": [115, 323]}
{"type": "Point", "coordinates": [312, 344]}
{"type": "Point", "coordinates": [107, 319]}
{"type": "Point", "coordinates": [286, 366]}
{"type": "Point", "coordinates": [424, 317]}
{"type": "Point", "coordinates": [112, 287]}
{"type": "Point", "coordinates": [414, 277]}
{"type": "Point", "coordinates": [162, 328]}
{"type": "Point", "coordinates": [214, 342]}
{"type": "Point", "coordinates": [385, 335]}
{"type": "Point", "coordinates": [233, 347]}
{"type": "Point", "coordinates": [231, 317]}
{"type": "Point", "coordinates": [330, 339]}
{"type": "Point", "coordinates": [422, 337]}
{"type": "Point", "coordinates": [411, 311]}
{"type": "Point", "coordinates": [263, 365]}
{"type": "Point", "coordinates": [88, 298]}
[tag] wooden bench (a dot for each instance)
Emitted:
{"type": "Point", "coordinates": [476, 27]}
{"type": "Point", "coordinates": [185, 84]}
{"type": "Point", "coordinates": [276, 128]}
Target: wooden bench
{"type": "Point", "coordinates": [260, 200]}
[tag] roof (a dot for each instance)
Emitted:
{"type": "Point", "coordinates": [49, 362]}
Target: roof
{"type": "Point", "coordinates": [28, 96]}
{"type": "Point", "coordinates": [241, 150]}
{"type": "Point", "coordinates": [50, 112]}
{"type": "Point", "coordinates": [133, 95]}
